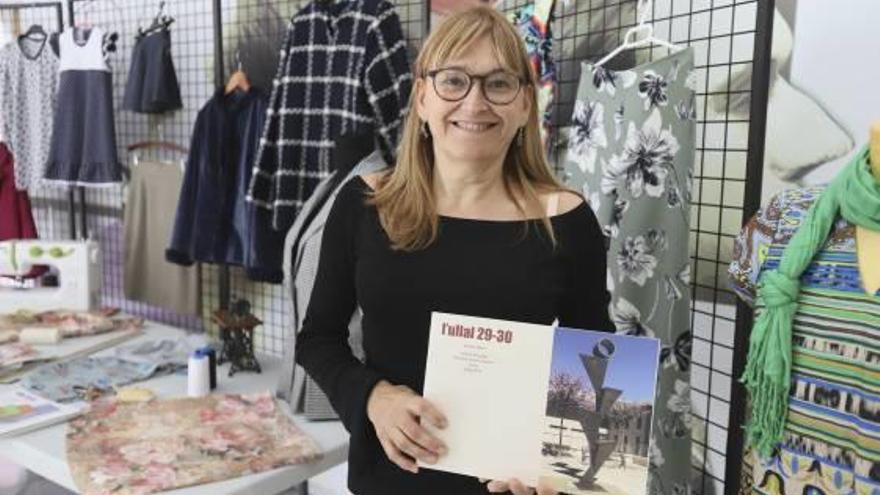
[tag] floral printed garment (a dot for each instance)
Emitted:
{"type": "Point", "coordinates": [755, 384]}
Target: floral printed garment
{"type": "Point", "coordinates": [136, 448]}
{"type": "Point", "coordinates": [533, 23]}
{"type": "Point", "coordinates": [631, 152]}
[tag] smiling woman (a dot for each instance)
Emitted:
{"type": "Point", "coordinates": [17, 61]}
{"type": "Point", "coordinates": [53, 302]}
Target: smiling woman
{"type": "Point", "coordinates": [454, 130]}
{"type": "Point", "coordinates": [469, 221]}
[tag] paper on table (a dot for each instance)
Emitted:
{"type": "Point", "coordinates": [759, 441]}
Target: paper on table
{"type": "Point", "coordinates": [22, 411]}
{"type": "Point", "coordinates": [501, 377]}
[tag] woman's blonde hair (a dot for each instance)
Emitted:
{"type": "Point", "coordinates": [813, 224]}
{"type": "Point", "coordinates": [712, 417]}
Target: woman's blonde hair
{"type": "Point", "coordinates": [404, 196]}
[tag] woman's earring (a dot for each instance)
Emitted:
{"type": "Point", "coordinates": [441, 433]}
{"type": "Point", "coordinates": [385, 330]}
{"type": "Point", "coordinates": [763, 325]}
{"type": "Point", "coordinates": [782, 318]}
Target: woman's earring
{"type": "Point", "coordinates": [426, 133]}
{"type": "Point", "coordinates": [519, 136]}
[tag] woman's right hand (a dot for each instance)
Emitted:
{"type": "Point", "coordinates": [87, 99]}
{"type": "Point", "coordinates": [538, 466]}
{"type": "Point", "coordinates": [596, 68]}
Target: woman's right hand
{"type": "Point", "coordinates": [396, 411]}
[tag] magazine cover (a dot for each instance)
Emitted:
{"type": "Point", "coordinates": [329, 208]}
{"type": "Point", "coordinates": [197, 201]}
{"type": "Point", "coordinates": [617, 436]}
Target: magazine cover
{"type": "Point", "coordinates": [567, 407]}
{"type": "Point", "coordinates": [22, 411]}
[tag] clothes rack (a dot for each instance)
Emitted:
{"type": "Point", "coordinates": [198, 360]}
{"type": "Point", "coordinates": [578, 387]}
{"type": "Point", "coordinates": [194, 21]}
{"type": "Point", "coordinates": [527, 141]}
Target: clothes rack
{"type": "Point", "coordinates": [71, 201]}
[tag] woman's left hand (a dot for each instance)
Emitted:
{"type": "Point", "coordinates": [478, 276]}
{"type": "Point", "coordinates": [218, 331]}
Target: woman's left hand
{"type": "Point", "coordinates": [516, 487]}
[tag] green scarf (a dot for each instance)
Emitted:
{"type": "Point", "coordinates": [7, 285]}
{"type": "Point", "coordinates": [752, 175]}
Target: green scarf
{"type": "Point", "coordinates": [855, 195]}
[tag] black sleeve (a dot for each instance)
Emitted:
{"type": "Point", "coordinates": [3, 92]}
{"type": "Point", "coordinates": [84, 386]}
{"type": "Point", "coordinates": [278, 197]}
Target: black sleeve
{"type": "Point", "coordinates": [586, 301]}
{"type": "Point", "coordinates": [182, 246]}
{"type": "Point", "coordinates": [322, 346]}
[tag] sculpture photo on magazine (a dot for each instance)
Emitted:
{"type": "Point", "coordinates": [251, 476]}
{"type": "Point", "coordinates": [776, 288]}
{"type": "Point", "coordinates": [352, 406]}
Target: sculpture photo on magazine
{"type": "Point", "coordinates": [569, 407]}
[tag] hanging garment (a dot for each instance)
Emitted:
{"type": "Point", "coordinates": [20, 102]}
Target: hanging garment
{"type": "Point", "coordinates": [831, 439]}
{"type": "Point", "coordinates": [343, 67]}
{"type": "Point", "coordinates": [214, 223]}
{"type": "Point", "coordinates": [149, 218]}
{"type": "Point", "coordinates": [152, 81]}
{"type": "Point", "coordinates": [631, 151]}
{"type": "Point", "coordinates": [302, 250]}
{"type": "Point", "coordinates": [131, 448]}
{"type": "Point", "coordinates": [28, 81]}
{"type": "Point", "coordinates": [533, 23]}
{"type": "Point", "coordinates": [16, 218]}
{"type": "Point", "coordinates": [83, 150]}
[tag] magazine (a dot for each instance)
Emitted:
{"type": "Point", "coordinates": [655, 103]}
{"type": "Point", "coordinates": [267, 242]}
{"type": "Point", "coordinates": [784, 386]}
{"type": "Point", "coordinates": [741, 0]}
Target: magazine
{"type": "Point", "coordinates": [22, 411]}
{"type": "Point", "coordinates": [569, 407]}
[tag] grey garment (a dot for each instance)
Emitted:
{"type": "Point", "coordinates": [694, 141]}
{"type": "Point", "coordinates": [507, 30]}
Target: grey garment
{"type": "Point", "coordinates": [28, 81]}
{"type": "Point", "coordinates": [152, 82]}
{"type": "Point", "coordinates": [631, 151]}
{"type": "Point", "coordinates": [83, 150]}
{"type": "Point", "coordinates": [149, 217]}
{"type": "Point", "coordinates": [300, 271]}
{"type": "Point", "coordinates": [65, 381]}
{"type": "Point", "coordinates": [173, 353]}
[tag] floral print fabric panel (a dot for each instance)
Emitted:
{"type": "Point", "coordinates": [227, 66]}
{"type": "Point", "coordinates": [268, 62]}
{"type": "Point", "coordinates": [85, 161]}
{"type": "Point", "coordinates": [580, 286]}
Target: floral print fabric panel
{"type": "Point", "coordinates": [71, 323]}
{"type": "Point", "coordinates": [631, 152]}
{"type": "Point", "coordinates": [137, 448]}
{"type": "Point", "coordinates": [16, 353]}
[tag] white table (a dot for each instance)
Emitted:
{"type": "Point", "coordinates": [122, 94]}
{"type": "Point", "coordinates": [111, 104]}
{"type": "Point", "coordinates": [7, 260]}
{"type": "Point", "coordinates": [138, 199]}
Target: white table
{"type": "Point", "coordinates": [43, 451]}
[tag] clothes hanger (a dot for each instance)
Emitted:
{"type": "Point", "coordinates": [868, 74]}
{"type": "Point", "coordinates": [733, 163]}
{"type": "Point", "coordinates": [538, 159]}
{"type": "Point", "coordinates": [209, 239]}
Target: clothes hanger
{"type": "Point", "coordinates": [160, 21]}
{"type": "Point", "coordinates": [641, 35]}
{"type": "Point", "coordinates": [238, 79]}
{"type": "Point", "coordinates": [84, 23]}
{"type": "Point", "coordinates": [164, 145]}
{"type": "Point", "coordinates": [34, 33]}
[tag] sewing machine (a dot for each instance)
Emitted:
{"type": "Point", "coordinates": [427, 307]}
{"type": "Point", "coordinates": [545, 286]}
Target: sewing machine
{"type": "Point", "coordinates": [78, 267]}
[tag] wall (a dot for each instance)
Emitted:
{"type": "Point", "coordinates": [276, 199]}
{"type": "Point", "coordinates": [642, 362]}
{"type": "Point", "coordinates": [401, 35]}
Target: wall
{"type": "Point", "coordinates": [827, 52]}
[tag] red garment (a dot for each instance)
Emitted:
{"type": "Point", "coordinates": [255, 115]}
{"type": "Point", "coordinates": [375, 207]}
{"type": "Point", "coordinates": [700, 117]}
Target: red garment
{"type": "Point", "coordinates": [16, 220]}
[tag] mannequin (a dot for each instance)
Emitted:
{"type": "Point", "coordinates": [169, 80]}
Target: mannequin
{"type": "Point", "coordinates": [867, 241]}
{"type": "Point", "coordinates": [831, 438]}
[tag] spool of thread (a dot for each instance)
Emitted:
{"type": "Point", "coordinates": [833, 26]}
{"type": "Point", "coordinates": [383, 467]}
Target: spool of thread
{"type": "Point", "coordinates": [40, 335]}
{"type": "Point", "coordinates": [212, 362]}
{"type": "Point", "coordinates": [198, 376]}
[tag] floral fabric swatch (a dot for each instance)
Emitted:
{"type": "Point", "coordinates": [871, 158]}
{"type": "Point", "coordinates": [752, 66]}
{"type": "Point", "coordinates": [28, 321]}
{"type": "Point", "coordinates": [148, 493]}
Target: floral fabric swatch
{"type": "Point", "coordinates": [533, 23]}
{"type": "Point", "coordinates": [16, 353]}
{"type": "Point", "coordinates": [631, 152]}
{"type": "Point", "coordinates": [138, 448]}
{"type": "Point", "coordinates": [71, 323]}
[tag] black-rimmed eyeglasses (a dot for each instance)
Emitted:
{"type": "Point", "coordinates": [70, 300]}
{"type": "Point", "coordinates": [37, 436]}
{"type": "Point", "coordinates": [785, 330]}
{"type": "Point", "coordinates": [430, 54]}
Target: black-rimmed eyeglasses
{"type": "Point", "coordinates": [499, 87]}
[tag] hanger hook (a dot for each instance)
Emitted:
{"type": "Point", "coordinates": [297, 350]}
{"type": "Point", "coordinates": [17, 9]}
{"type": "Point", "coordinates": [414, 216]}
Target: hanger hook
{"type": "Point", "coordinates": [238, 58]}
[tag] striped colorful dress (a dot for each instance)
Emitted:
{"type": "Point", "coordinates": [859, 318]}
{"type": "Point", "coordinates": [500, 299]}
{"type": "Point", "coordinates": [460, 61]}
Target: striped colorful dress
{"type": "Point", "coordinates": [832, 434]}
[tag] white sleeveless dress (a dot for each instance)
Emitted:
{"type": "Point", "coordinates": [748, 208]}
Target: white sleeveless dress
{"type": "Point", "coordinates": [83, 149]}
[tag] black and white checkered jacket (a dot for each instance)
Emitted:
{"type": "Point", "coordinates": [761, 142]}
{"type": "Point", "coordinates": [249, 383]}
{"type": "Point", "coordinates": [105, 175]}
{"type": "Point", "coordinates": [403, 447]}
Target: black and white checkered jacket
{"type": "Point", "coordinates": [343, 68]}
